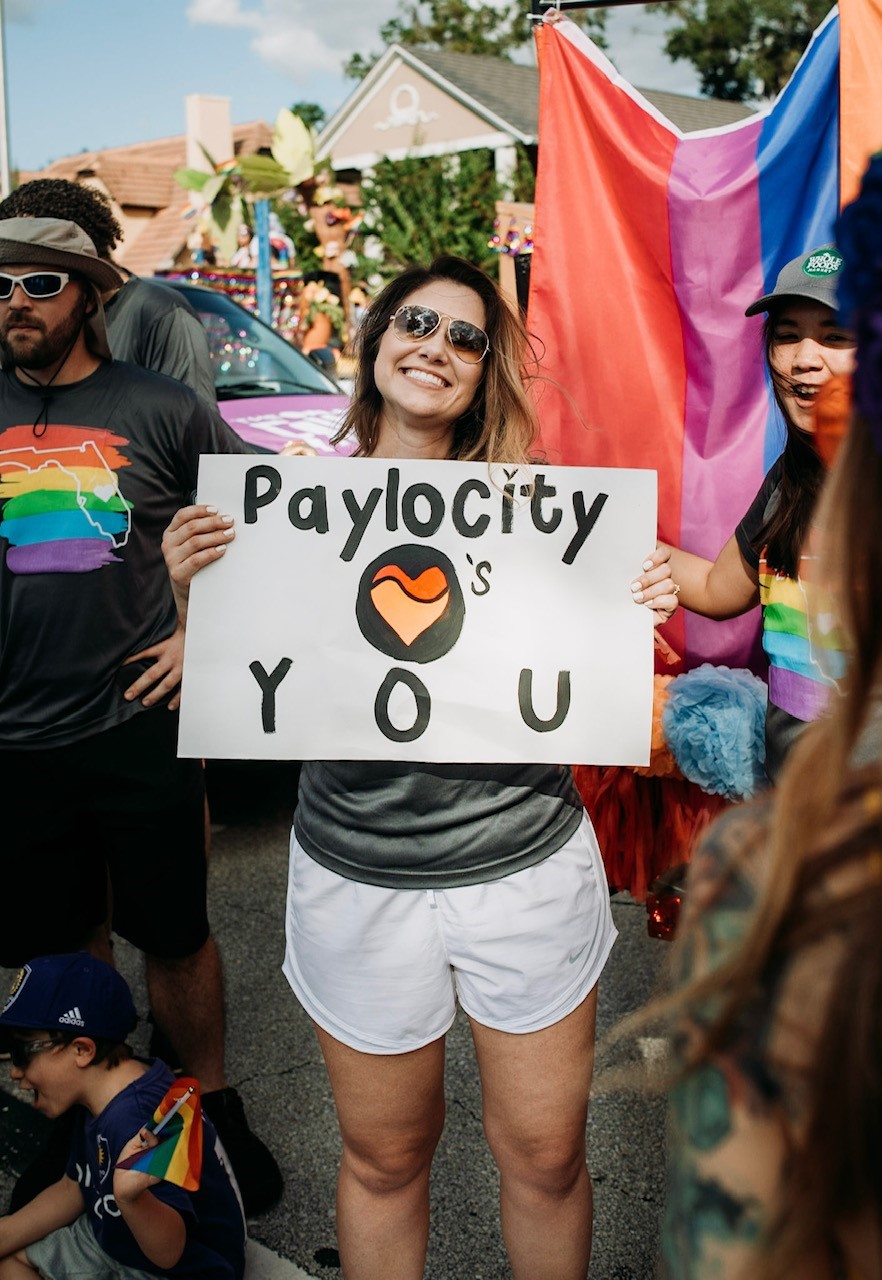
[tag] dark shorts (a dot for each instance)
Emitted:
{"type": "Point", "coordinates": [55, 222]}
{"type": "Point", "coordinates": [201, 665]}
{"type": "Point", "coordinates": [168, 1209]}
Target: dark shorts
{"type": "Point", "coordinates": [117, 809]}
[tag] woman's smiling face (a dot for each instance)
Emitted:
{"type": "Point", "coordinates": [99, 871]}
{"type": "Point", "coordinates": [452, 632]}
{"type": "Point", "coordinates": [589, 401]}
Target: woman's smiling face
{"type": "Point", "coordinates": [426, 387]}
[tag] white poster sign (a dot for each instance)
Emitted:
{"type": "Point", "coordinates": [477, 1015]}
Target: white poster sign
{"type": "Point", "coordinates": [434, 611]}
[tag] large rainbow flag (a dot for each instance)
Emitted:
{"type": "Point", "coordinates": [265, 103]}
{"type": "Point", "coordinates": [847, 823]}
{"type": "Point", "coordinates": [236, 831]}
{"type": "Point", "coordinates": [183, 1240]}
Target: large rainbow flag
{"type": "Point", "coordinates": [650, 245]}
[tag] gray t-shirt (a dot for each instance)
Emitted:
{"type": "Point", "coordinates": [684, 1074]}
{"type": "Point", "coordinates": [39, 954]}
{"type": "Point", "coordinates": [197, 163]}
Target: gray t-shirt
{"type": "Point", "coordinates": [153, 326]}
{"type": "Point", "coordinates": [90, 477]}
{"type": "Point", "coordinates": [433, 826]}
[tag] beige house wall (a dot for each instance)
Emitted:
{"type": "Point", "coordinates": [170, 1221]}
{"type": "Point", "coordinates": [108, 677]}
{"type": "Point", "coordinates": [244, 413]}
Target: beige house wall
{"type": "Point", "coordinates": [406, 112]}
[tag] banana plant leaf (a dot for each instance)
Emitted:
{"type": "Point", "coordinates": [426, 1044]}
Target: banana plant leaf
{"type": "Point", "coordinates": [262, 175]}
{"type": "Point", "coordinates": [293, 146]}
{"type": "Point", "coordinates": [192, 179]}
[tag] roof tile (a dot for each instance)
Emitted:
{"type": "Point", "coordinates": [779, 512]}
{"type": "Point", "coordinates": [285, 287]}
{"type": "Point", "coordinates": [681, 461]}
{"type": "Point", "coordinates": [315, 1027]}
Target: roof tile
{"type": "Point", "coordinates": [511, 91]}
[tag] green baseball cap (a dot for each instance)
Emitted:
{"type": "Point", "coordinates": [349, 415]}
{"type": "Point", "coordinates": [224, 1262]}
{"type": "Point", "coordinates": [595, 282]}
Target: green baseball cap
{"type": "Point", "coordinates": [812, 275]}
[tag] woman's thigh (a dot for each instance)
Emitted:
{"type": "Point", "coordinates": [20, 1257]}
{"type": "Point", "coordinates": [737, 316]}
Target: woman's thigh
{"type": "Point", "coordinates": [536, 1087]}
{"type": "Point", "coordinates": [390, 1106]}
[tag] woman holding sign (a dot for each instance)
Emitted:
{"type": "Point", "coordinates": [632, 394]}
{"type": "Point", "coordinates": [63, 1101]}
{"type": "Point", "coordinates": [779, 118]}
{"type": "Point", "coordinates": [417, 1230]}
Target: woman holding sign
{"type": "Point", "coordinates": [412, 886]}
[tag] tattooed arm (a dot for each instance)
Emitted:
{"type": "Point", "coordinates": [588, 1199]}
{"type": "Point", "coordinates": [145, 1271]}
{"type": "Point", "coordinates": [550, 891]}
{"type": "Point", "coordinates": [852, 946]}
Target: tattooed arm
{"type": "Point", "coordinates": [729, 1135]}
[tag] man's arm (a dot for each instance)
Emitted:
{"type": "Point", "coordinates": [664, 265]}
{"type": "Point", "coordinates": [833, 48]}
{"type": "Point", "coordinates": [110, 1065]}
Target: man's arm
{"type": "Point", "coordinates": [57, 1206]}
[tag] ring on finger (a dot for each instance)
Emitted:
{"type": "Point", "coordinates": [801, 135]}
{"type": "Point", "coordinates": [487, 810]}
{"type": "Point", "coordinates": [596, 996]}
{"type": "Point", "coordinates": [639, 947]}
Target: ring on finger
{"type": "Point", "coordinates": [676, 589]}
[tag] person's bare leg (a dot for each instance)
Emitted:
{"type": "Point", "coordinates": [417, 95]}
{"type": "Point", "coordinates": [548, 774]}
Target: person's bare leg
{"type": "Point", "coordinates": [15, 1267]}
{"type": "Point", "coordinates": [187, 1001]}
{"type": "Point", "coordinates": [391, 1113]}
{"type": "Point", "coordinates": [535, 1095]}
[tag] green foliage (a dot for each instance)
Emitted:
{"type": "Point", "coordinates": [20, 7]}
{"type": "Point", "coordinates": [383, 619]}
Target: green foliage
{"type": "Point", "coordinates": [741, 49]}
{"type": "Point", "coordinates": [312, 115]}
{"type": "Point", "coordinates": [441, 204]}
{"type": "Point", "coordinates": [263, 175]}
{"type": "Point", "coordinates": [464, 26]}
{"type": "Point", "coordinates": [231, 187]}
{"type": "Point", "coordinates": [301, 231]}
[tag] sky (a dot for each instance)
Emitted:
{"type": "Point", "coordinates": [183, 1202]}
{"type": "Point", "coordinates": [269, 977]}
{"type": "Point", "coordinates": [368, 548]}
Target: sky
{"type": "Point", "coordinates": [87, 74]}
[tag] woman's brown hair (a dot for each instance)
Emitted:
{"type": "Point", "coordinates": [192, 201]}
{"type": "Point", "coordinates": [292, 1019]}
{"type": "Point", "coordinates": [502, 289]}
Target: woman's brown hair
{"type": "Point", "coordinates": [500, 425]}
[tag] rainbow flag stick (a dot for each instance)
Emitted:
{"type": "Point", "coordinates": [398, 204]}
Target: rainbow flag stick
{"type": "Point", "coordinates": [173, 1111]}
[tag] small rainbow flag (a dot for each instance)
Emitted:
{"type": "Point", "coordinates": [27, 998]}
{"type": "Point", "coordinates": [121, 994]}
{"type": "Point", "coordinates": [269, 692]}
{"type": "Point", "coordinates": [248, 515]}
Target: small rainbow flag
{"type": "Point", "coordinates": [178, 1158]}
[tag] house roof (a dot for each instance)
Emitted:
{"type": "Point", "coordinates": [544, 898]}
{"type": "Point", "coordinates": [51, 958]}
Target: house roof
{"type": "Point", "coordinates": [507, 94]}
{"type": "Point", "coordinates": [160, 243]}
{"type": "Point", "coordinates": [160, 152]}
{"type": "Point", "coordinates": [140, 177]}
{"type": "Point", "coordinates": [512, 92]}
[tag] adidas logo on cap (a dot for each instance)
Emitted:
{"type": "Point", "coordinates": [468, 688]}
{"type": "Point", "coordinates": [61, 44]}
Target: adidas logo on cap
{"type": "Point", "coordinates": [73, 1018]}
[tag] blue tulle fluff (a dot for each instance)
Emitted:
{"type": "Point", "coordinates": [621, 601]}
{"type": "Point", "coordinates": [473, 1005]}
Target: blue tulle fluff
{"type": "Point", "coordinates": [714, 725]}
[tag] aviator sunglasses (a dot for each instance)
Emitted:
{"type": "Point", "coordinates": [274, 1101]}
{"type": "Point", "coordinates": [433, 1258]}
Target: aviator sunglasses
{"type": "Point", "coordinates": [36, 284]}
{"type": "Point", "coordinates": [412, 323]}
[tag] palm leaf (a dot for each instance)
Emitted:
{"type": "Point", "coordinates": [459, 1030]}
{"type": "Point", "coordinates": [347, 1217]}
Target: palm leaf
{"type": "Point", "coordinates": [191, 179]}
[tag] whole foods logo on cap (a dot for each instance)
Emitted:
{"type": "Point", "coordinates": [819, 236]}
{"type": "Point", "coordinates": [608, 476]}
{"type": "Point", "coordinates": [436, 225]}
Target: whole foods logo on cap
{"type": "Point", "coordinates": [825, 263]}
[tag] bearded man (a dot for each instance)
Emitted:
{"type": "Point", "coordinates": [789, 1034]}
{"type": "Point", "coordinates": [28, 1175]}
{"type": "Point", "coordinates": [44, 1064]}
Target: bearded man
{"type": "Point", "coordinates": [96, 455]}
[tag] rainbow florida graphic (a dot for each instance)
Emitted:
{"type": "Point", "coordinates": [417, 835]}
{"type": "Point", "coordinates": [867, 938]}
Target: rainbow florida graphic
{"type": "Point", "coordinates": [63, 511]}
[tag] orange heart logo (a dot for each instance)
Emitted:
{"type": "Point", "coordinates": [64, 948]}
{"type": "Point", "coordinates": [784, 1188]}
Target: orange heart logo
{"type": "Point", "coordinates": [409, 605]}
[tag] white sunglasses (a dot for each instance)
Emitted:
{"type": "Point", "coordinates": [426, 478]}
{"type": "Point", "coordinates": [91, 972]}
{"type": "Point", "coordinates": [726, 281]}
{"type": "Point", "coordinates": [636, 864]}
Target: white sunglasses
{"type": "Point", "coordinates": [36, 284]}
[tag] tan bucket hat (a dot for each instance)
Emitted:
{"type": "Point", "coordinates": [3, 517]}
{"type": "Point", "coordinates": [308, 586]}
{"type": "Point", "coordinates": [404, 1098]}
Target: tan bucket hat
{"type": "Point", "coordinates": [54, 242]}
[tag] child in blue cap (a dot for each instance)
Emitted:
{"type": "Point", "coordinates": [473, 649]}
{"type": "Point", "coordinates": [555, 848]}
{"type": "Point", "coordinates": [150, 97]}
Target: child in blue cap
{"type": "Point", "coordinates": [65, 1025]}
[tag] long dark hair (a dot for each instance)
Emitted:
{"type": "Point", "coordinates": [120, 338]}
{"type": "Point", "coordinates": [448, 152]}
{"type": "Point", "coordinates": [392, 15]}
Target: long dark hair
{"type": "Point", "coordinates": [500, 424]}
{"type": "Point", "coordinates": [802, 474]}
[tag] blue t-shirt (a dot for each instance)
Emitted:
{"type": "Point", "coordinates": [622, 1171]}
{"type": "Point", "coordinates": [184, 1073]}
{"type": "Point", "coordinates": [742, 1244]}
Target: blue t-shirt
{"type": "Point", "coordinates": [215, 1248]}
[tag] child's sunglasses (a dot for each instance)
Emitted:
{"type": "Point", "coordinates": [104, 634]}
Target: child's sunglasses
{"type": "Point", "coordinates": [21, 1051]}
{"type": "Point", "coordinates": [36, 284]}
{"type": "Point", "coordinates": [412, 323]}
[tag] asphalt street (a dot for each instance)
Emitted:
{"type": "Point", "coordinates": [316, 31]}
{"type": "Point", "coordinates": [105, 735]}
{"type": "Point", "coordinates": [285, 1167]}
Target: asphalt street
{"type": "Point", "coordinates": [274, 1061]}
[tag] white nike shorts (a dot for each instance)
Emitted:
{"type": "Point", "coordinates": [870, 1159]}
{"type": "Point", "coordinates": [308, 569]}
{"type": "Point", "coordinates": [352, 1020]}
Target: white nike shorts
{"type": "Point", "coordinates": [381, 969]}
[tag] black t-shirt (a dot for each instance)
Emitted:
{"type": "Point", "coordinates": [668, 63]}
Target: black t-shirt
{"type": "Point", "coordinates": [748, 531]}
{"type": "Point", "coordinates": [155, 327]}
{"type": "Point", "coordinates": [85, 501]}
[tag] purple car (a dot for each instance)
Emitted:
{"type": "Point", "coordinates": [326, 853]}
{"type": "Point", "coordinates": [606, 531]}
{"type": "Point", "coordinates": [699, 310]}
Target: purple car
{"type": "Point", "coordinates": [267, 390]}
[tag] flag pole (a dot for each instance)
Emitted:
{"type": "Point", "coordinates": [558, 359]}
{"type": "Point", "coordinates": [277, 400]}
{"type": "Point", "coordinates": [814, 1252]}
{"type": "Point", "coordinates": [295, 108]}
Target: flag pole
{"type": "Point", "coordinates": [4, 123]}
{"type": "Point", "coordinates": [538, 8]}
